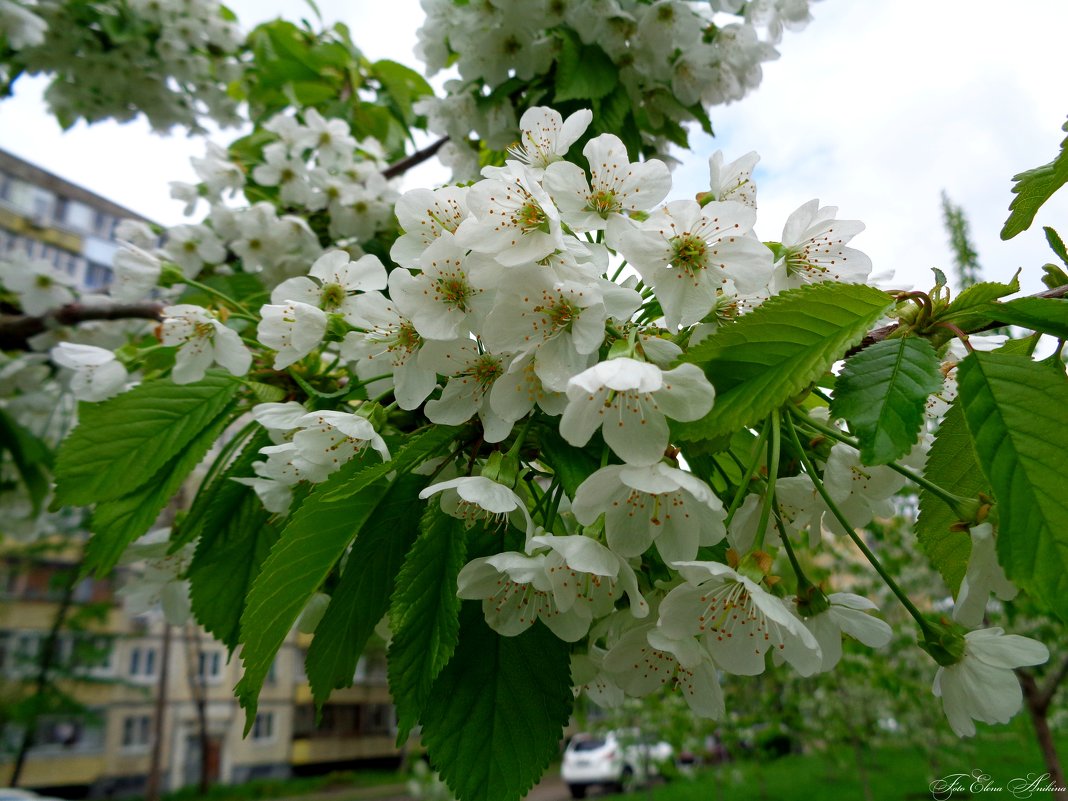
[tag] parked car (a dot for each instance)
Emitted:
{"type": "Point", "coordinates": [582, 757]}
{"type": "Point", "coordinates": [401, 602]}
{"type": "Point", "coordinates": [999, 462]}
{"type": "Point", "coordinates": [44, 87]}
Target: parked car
{"type": "Point", "coordinates": [618, 760]}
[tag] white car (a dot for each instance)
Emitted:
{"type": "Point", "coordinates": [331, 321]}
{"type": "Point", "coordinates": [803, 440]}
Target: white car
{"type": "Point", "coordinates": [618, 760]}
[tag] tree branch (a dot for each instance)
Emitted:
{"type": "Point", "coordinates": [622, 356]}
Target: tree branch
{"type": "Point", "coordinates": [879, 334]}
{"type": "Point", "coordinates": [1049, 687]}
{"type": "Point", "coordinates": [17, 330]}
{"type": "Point", "coordinates": [418, 157]}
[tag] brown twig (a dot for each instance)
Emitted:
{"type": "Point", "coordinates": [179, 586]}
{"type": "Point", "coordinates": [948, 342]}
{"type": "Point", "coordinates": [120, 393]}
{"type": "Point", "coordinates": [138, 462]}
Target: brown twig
{"type": "Point", "coordinates": [17, 330]}
{"type": "Point", "coordinates": [418, 157]}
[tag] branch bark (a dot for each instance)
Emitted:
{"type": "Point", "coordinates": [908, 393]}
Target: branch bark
{"type": "Point", "coordinates": [1037, 701]}
{"type": "Point", "coordinates": [418, 157]}
{"type": "Point", "coordinates": [16, 330]}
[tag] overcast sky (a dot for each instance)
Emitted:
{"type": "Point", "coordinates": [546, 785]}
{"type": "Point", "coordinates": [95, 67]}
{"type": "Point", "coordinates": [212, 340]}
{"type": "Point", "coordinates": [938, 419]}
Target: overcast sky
{"type": "Point", "coordinates": [875, 108]}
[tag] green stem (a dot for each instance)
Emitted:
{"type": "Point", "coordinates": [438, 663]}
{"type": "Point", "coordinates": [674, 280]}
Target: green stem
{"type": "Point", "coordinates": [554, 505]}
{"type": "Point", "coordinates": [953, 501]}
{"type": "Point", "coordinates": [857, 539]}
{"type": "Point", "coordinates": [773, 470]}
{"type": "Point", "coordinates": [619, 270]}
{"type": "Point", "coordinates": [802, 579]}
{"type": "Point", "coordinates": [743, 487]}
{"type": "Point", "coordinates": [242, 311]}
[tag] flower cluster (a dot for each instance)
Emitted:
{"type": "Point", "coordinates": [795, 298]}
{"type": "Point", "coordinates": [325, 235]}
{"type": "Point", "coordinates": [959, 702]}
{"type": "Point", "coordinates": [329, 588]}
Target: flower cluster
{"type": "Point", "coordinates": [545, 308]}
{"type": "Point", "coordinates": [170, 59]}
{"type": "Point", "coordinates": [667, 57]}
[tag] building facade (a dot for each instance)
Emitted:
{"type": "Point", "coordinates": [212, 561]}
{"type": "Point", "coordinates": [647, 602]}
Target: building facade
{"type": "Point", "coordinates": [132, 677]}
{"type": "Point", "coordinates": [46, 217]}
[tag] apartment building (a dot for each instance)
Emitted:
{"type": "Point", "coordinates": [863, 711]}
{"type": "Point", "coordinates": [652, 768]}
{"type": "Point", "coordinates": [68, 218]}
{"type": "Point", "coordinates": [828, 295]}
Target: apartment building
{"type": "Point", "coordinates": [131, 677]}
{"type": "Point", "coordinates": [52, 219]}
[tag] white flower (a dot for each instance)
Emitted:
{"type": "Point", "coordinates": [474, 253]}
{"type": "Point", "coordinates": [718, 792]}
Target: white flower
{"type": "Point", "coordinates": [286, 465]}
{"type": "Point", "coordinates": [160, 581]}
{"type": "Point", "coordinates": [136, 273]}
{"type": "Point", "coordinates": [545, 136]}
{"type": "Point", "coordinates": [286, 171]}
{"type": "Point", "coordinates": [448, 298]}
{"type": "Point", "coordinates": [847, 614]}
{"type": "Point", "coordinates": [292, 329]}
{"type": "Point", "coordinates": [814, 244]}
{"type": "Point", "coordinates": [982, 686]}
{"type": "Point", "coordinates": [279, 418]}
{"type": "Point", "coordinates": [471, 377]}
{"type": "Point", "coordinates": [590, 677]}
{"type": "Point", "coordinates": [475, 498]}
{"type": "Point", "coordinates": [97, 374]}
{"type": "Point", "coordinates": [276, 496]}
{"type": "Point", "coordinates": [689, 254]}
{"type": "Point", "coordinates": [193, 246]}
{"type": "Point", "coordinates": [514, 220]}
{"type": "Point", "coordinates": [733, 181]}
{"type": "Point", "coordinates": [338, 279]}
{"type": "Point", "coordinates": [202, 341]}
{"type": "Point", "coordinates": [860, 491]}
{"type": "Point", "coordinates": [616, 186]}
{"type": "Point", "coordinates": [628, 400]}
{"type": "Point", "coordinates": [588, 576]}
{"type": "Point", "coordinates": [983, 577]}
{"type": "Point", "coordinates": [737, 620]}
{"type": "Point", "coordinates": [331, 138]}
{"type": "Point", "coordinates": [563, 321]}
{"type": "Point", "coordinates": [21, 26]}
{"type": "Point", "coordinates": [425, 215]}
{"type": "Point", "coordinates": [519, 389]}
{"type": "Point", "coordinates": [655, 503]}
{"type": "Point", "coordinates": [646, 658]}
{"type": "Point", "coordinates": [515, 591]}
{"type": "Point", "coordinates": [39, 286]}
{"type": "Point", "coordinates": [391, 345]}
{"type": "Point", "coordinates": [330, 438]}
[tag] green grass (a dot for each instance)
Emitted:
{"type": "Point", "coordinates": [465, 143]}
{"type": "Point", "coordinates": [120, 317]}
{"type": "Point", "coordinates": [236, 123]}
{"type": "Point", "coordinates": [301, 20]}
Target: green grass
{"type": "Point", "coordinates": [894, 773]}
{"type": "Point", "coordinates": [286, 788]}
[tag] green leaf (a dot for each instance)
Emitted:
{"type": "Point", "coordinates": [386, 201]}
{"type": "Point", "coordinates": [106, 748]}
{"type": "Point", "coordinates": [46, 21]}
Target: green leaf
{"type": "Point", "coordinates": [583, 72]}
{"type": "Point", "coordinates": [1056, 244]}
{"type": "Point", "coordinates": [572, 465]}
{"type": "Point", "coordinates": [118, 522]}
{"type": "Point", "coordinates": [418, 448]}
{"type": "Point", "coordinates": [951, 463]}
{"type": "Point", "coordinates": [424, 615]}
{"type": "Point", "coordinates": [766, 357]}
{"type": "Point", "coordinates": [1015, 410]}
{"type": "Point", "coordinates": [1048, 315]}
{"type": "Point", "coordinates": [362, 596]}
{"type": "Point", "coordinates": [497, 711]}
{"type": "Point", "coordinates": [220, 497]}
{"type": "Point", "coordinates": [403, 84]}
{"type": "Point", "coordinates": [119, 445]}
{"type": "Point", "coordinates": [968, 309]}
{"type": "Point", "coordinates": [30, 456]}
{"type": "Point", "coordinates": [882, 392]}
{"type": "Point", "coordinates": [310, 545]}
{"type": "Point", "coordinates": [1033, 188]}
{"type": "Point", "coordinates": [226, 562]}
{"type": "Point", "coordinates": [1054, 276]}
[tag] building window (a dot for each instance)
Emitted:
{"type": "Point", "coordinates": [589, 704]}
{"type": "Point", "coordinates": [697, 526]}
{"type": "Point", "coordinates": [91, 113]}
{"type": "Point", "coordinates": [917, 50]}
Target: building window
{"type": "Point", "coordinates": [209, 666]}
{"type": "Point", "coordinates": [136, 731]}
{"type": "Point", "coordinates": [263, 726]}
{"type": "Point", "coordinates": [97, 275]}
{"type": "Point", "coordinates": [142, 663]}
